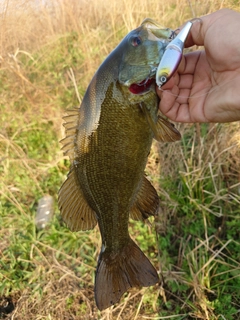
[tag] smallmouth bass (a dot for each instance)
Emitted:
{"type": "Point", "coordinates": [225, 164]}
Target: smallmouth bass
{"type": "Point", "coordinates": [108, 140]}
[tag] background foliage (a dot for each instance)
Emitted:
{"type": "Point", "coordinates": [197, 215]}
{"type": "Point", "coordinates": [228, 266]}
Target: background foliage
{"type": "Point", "coordinates": [49, 51]}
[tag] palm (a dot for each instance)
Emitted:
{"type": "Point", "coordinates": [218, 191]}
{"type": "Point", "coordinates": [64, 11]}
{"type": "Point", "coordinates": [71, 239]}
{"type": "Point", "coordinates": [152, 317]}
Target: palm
{"type": "Point", "coordinates": [206, 86]}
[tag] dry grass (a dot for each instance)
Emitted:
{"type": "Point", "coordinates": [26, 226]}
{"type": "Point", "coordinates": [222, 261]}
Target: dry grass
{"type": "Point", "coordinates": [48, 54]}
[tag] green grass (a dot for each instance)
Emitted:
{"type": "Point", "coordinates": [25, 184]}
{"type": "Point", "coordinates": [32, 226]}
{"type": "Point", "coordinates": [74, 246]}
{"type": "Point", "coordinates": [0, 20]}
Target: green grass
{"type": "Point", "coordinates": [194, 242]}
{"type": "Point", "coordinates": [203, 241]}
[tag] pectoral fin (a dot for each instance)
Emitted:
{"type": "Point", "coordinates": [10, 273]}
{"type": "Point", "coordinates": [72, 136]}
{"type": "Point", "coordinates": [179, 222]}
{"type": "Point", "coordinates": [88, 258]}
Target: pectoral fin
{"type": "Point", "coordinates": [163, 130]}
{"type": "Point", "coordinates": [146, 202]}
{"type": "Point", "coordinates": [166, 131]}
{"type": "Point", "coordinates": [75, 210]}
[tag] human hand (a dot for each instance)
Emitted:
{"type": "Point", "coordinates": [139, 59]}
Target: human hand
{"type": "Point", "coordinates": [206, 87]}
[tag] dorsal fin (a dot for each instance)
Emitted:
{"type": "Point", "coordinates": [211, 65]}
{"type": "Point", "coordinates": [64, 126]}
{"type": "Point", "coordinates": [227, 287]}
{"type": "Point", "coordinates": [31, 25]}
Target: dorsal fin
{"type": "Point", "coordinates": [70, 125]}
{"type": "Point", "coordinates": [75, 210]}
{"type": "Point", "coordinates": [146, 202]}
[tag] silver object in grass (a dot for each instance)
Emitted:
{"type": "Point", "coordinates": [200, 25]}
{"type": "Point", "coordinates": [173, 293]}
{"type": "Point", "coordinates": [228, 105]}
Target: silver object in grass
{"type": "Point", "coordinates": [44, 212]}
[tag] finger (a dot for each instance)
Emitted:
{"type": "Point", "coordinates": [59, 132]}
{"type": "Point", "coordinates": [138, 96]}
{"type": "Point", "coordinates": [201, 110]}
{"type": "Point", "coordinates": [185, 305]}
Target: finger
{"type": "Point", "coordinates": [201, 26]}
{"type": "Point", "coordinates": [182, 113]}
{"type": "Point", "coordinates": [168, 98]}
{"type": "Point", "coordinates": [183, 96]}
{"type": "Point", "coordinates": [185, 81]}
{"type": "Point", "coordinates": [189, 62]}
{"type": "Point", "coordinates": [179, 112]}
{"type": "Point", "coordinates": [168, 86]}
{"type": "Point", "coordinates": [196, 34]}
{"type": "Point", "coordinates": [185, 70]}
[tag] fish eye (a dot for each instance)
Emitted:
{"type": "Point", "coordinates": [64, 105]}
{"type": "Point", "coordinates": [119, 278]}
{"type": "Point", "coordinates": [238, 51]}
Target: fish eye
{"type": "Point", "coordinates": [136, 41]}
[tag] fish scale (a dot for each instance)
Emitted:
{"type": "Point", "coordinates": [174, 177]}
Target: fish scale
{"type": "Point", "coordinates": [128, 154]}
{"type": "Point", "coordinates": [108, 140]}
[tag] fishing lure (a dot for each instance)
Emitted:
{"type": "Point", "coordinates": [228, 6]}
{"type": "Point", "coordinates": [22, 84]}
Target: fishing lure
{"type": "Point", "coordinates": [172, 56]}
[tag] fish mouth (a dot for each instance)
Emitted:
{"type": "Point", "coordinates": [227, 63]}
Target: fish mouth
{"type": "Point", "coordinates": [141, 87]}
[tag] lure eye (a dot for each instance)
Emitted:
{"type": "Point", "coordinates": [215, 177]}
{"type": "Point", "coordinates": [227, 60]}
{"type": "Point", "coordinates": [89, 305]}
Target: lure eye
{"type": "Point", "coordinates": [136, 41]}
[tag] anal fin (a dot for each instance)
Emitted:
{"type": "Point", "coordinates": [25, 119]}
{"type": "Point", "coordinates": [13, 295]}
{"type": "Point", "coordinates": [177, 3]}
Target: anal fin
{"type": "Point", "coordinates": [146, 202]}
{"type": "Point", "coordinates": [75, 210]}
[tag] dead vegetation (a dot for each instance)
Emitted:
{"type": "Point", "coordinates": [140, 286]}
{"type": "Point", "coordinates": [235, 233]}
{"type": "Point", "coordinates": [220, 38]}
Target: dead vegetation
{"type": "Point", "coordinates": [49, 51]}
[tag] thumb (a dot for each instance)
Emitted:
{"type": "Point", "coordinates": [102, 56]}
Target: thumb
{"type": "Point", "coordinates": [201, 26]}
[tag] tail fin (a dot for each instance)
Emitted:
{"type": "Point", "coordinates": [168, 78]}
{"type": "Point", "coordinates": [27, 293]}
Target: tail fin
{"type": "Point", "coordinates": [117, 272]}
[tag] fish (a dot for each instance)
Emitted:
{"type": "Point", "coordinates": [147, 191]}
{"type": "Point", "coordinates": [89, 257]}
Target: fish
{"type": "Point", "coordinates": [108, 140]}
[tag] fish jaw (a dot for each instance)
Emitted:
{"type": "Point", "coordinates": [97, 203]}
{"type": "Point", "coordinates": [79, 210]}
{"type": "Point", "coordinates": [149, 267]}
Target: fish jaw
{"type": "Point", "coordinates": [142, 51]}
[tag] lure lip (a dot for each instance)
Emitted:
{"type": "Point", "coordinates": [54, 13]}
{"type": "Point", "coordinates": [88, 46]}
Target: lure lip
{"type": "Point", "coordinates": [172, 56]}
